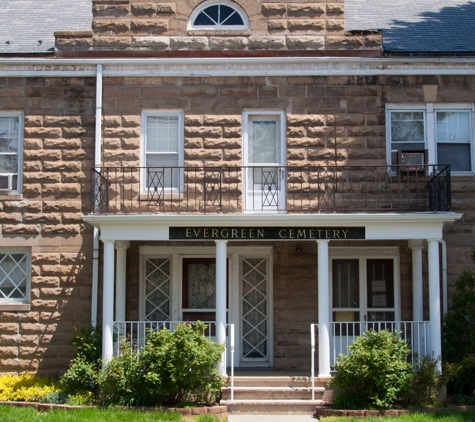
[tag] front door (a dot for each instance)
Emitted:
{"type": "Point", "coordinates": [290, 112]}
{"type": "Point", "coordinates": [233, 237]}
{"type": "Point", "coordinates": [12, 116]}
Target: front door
{"type": "Point", "coordinates": [264, 161]}
{"type": "Point", "coordinates": [363, 297]}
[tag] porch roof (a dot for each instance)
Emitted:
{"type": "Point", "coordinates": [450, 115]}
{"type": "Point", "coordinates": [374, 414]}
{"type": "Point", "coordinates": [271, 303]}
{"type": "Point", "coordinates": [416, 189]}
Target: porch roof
{"type": "Point", "coordinates": [384, 226]}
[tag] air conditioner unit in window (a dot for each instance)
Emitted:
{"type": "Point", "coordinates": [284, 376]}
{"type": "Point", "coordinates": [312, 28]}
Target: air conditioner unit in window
{"type": "Point", "coordinates": [412, 160]}
{"type": "Point", "coordinates": [5, 182]}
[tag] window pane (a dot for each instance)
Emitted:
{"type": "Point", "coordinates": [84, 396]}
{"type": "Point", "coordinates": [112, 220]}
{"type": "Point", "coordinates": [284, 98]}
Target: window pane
{"type": "Point", "coordinates": [263, 142]}
{"type": "Point", "coordinates": [407, 126]}
{"type": "Point", "coordinates": [13, 276]}
{"type": "Point", "coordinates": [456, 155]}
{"type": "Point", "coordinates": [380, 283]}
{"type": "Point", "coordinates": [208, 17]}
{"type": "Point", "coordinates": [8, 164]}
{"type": "Point", "coordinates": [453, 126]}
{"type": "Point", "coordinates": [9, 127]}
{"type": "Point", "coordinates": [162, 133]}
{"type": "Point", "coordinates": [345, 283]}
{"type": "Point", "coordinates": [162, 171]}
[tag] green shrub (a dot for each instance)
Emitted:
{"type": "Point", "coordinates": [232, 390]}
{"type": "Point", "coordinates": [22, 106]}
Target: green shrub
{"type": "Point", "coordinates": [375, 370]}
{"type": "Point", "coordinates": [170, 368]}
{"type": "Point", "coordinates": [82, 376]}
{"type": "Point", "coordinates": [458, 336]}
{"type": "Point", "coordinates": [426, 383]}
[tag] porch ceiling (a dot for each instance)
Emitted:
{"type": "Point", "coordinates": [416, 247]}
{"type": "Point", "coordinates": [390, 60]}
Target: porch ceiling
{"type": "Point", "coordinates": [153, 227]}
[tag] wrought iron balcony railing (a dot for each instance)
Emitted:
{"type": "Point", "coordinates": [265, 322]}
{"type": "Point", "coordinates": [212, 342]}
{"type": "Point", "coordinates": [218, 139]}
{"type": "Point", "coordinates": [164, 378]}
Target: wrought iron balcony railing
{"type": "Point", "coordinates": [306, 189]}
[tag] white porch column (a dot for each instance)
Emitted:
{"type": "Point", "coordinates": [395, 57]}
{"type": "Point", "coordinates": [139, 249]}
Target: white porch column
{"type": "Point", "coordinates": [417, 295]}
{"type": "Point", "coordinates": [108, 302]}
{"type": "Point", "coordinates": [221, 300]}
{"type": "Point", "coordinates": [434, 297]}
{"type": "Point", "coordinates": [121, 267]}
{"type": "Point", "coordinates": [323, 310]}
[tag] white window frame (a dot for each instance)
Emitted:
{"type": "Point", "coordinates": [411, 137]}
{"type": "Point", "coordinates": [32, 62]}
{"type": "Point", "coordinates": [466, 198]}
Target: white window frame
{"type": "Point", "coordinates": [217, 27]}
{"type": "Point", "coordinates": [143, 142]}
{"type": "Point", "coordinates": [15, 189]}
{"type": "Point", "coordinates": [430, 132]}
{"type": "Point", "coordinates": [26, 299]}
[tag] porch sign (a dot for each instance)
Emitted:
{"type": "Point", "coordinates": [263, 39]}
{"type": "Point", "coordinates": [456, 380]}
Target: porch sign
{"type": "Point", "coordinates": [266, 233]}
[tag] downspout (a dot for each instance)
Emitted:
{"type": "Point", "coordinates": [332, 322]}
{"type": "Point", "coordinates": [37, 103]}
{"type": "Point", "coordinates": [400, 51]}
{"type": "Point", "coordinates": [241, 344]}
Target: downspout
{"type": "Point", "coordinates": [444, 277]}
{"type": "Point", "coordinates": [97, 164]}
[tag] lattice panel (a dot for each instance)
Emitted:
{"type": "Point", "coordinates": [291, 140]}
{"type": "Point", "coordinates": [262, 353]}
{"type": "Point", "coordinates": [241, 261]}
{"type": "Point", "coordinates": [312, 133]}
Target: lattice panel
{"type": "Point", "coordinates": [13, 275]}
{"type": "Point", "coordinates": [157, 289]}
{"type": "Point", "coordinates": [254, 308]}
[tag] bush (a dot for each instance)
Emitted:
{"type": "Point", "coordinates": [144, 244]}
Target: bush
{"type": "Point", "coordinates": [27, 387]}
{"type": "Point", "coordinates": [375, 370]}
{"type": "Point", "coordinates": [82, 376]}
{"type": "Point", "coordinates": [458, 335]}
{"type": "Point", "coordinates": [171, 367]}
{"type": "Point", "coordinates": [426, 383]}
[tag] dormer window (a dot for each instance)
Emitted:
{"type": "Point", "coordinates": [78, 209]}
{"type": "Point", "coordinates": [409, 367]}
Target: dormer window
{"type": "Point", "coordinates": [216, 15]}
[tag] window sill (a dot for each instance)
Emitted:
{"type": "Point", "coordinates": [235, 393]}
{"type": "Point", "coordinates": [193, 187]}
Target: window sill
{"type": "Point", "coordinates": [11, 196]}
{"type": "Point", "coordinates": [15, 307]}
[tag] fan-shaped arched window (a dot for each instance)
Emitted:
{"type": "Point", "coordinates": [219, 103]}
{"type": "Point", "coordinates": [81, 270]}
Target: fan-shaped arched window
{"type": "Point", "coordinates": [218, 15]}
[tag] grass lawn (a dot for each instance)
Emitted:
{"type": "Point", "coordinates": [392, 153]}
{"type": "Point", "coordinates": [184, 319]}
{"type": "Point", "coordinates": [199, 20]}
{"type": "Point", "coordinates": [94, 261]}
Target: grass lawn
{"type": "Point", "coordinates": [29, 414]}
{"type": "Point", "coordinates": [465, 416]}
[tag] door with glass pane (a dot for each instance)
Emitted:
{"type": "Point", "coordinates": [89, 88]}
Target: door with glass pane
{"type": "Point", "coordinates": [264, 161]}
{"type": "Point", "coordinates": [255, 333]}
{"type": "Point", "coordinates": [363, 292]}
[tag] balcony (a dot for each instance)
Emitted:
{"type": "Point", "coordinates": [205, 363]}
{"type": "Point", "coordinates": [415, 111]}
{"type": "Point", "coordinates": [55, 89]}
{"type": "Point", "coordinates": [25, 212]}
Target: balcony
{"type": "Point", "coordinates": [289, 189]}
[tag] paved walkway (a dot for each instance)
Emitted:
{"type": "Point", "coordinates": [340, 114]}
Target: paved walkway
{"type": "Point", "coordinates": [270, 418]}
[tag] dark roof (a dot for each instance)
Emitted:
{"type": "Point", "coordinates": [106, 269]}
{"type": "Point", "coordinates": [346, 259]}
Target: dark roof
{"type": "Point", "coordinates": [416, 25]}
{"type": "Point", "coordinates": [24, 23]}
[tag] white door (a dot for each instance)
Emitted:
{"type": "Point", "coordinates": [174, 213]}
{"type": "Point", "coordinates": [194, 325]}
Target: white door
{"type": "Point", "coordinates": [264, 161]}
{"type": "Point", "coordinates": [363, 297]}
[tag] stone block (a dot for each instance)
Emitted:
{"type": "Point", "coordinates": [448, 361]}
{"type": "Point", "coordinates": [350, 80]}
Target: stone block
{"type": "Point", "coordinates": [227, 43]}
{"type": "Point", "coordinates": [222, 120]}
{"type": "Point", "coordinates": [306, 24]}
{"type": "Point", "coordinates": [304, 42]}
{"type": "Point", "coordinates": [274, 9]}
{"type": "Point", "coordinates": [110, 25]}
{"type": "Point", "coordinates": [343, 42]}
{"type": "Point", "coordinates": [151, 42]}
{"type": "Point", "coordinates": [152, 26]}
{"type": "Point", "coordinates": [277, 25]}
{"type": "Point", "coordinates": [257, 42]}
{"type": "Point", "coordinates": [185, 43]}
{"type": "Point", "coordinates": [305, 9]}
{"type": "Point", "coordinates": [144, 8]}
{"type": "Point", "coordinates": [111, 43]}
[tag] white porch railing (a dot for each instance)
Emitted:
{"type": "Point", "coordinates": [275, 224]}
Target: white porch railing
{"type": "Point", "coordinates": [342, 334]}
{"type": "Point", "coordinates": [136, 333]}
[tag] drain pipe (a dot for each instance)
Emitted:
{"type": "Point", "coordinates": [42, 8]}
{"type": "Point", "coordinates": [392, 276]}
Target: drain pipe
{"type": "Point", "coordinates": [97, 163]}
{"type": "Point", "coordinates": [444, 277]}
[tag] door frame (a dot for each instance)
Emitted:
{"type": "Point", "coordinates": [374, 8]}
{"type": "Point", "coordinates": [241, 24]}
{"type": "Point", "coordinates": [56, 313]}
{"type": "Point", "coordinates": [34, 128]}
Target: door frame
{"type": "Point", "coordinates": [178, 253]}
{"type": "Point", "coordinates": [363, 254]}
{"type": "Point", "coordinates": [281, 115]}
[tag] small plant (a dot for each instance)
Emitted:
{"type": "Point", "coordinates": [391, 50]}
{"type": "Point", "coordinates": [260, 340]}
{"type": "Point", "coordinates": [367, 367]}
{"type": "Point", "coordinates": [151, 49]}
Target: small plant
{"type": "Point", "coordinates": [426, 383]}
{"type": "Point", "coordinates": [82, 376]}
{"type": "Point", "coordinates": [375, 371]}
{"type": "Point", "coordinates": [27, 387]}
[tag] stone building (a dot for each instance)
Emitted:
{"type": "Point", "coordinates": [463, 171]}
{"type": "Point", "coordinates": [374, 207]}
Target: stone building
{"type": "Point", "coordinates": [265, 165]}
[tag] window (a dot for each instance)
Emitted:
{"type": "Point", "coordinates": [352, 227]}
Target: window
{"type": "Point", "coordinates": [14, 276]}
{"type": "Point", "coordinates": [444, 130]}
{"type": "Point", "coordinates": [162, 137]}
{"type": "Point", "coordinates": [10, 152]}
{"type": "Point", "coordinates": [218, 15]}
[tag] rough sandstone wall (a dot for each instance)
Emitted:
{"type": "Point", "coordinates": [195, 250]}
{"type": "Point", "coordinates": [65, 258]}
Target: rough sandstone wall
{"type": "Point", "coordinates": [59, 138]}
{"type": "Point", "coordinates": [152, 25]}
{"type": "Point", "coordinates": [47, 217]}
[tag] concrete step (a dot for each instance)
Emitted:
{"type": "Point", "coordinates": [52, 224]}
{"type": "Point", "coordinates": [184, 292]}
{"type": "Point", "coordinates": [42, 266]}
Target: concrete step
{"type": "Point", "coordinates": [266, 392]}
{"type": "Point", "coordinates": [276, 381]}
{"type": "Point", "coordinates": [276, 407]}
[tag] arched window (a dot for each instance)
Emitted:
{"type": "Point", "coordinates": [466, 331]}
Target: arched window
{"type": "Point", "coordinates": [218, 14]}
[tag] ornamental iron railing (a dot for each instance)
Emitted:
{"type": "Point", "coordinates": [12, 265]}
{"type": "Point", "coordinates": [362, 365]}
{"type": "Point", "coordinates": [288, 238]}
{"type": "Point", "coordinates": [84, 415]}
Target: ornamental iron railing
{"type": "Point", "coordinates": [290, 189]}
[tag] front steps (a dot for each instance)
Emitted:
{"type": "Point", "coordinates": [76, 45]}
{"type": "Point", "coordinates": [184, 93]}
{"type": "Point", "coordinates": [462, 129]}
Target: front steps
{"type": "Point", "coordinates": [273, 393]}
